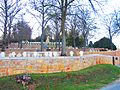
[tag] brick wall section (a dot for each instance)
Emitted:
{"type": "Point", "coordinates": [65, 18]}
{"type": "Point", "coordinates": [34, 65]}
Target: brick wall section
{"type": "Point", "coordinates": [111, 53]}
{"type": "Point", "coordinates": [50, 64]}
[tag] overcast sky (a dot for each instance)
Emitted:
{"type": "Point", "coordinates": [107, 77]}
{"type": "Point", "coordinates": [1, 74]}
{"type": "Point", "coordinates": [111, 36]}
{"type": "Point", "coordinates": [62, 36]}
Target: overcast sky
{"type": "Point", "coordinates": [106, 9]}
{"type": "Point", "coordinates": [114, 4]}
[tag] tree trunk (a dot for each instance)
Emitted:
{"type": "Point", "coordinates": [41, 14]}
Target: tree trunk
{"type": "Point", "coordinates": [5, 28]}
{"type": "Point", "coordinates": [43, 32]}
{"type": "Point", "coordinates": [4, 39]}
{"type": "Point", "coordinates": [74, 44]}
{"type": "Point", "coordinates": [9, 33]}
{"type": "Point", "coordinates": [59, 40]}
{"type": "Point", "coordinates": [57, 33]}
{"type": "Point", "coordinates": [111, 47]}
{"type": "Point", "coordinates": [56, 40]}
{"type": "Point", "coordinates": [63, 17]}
{"type": "Point", "coordinates": [63, 52]}
{"type": "Point", "coordinates": [84, 47]}
{"type": "Point", "coordinates": [42, 38]}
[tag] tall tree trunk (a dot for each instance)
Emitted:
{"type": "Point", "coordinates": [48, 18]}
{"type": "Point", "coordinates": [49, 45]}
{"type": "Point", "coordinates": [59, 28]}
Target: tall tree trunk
{"type": "Point", "coordinates": [9, 33]}
{"type": "Point", "coordinates": [84, 47]}
{"type": "Point", "coordinates": [59, 40]}
{"type": "Point", "coordinates": [5, 28]}
{"type": "Point", "coordinates": [57, 33]}
{"type": "Point", "coordinates": [74, 44]}
{"type": "Point", "coordinates": [111, 47]}
{"type": "Point", "coordinates": [63, 17]}
{"type": "Point", "coordinates": [43, 31]}
{"type": "Point", "coordinates": [42, 37]}
{"type": "Point", "coordinates": [4, 39]}
{"type": "Point", "coordinates": [56, 39]}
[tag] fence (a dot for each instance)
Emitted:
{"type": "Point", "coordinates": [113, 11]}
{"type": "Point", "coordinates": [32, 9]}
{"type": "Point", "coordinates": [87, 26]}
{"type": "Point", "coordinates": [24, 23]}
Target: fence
{"type": "Point", "coordinates": [18, 65]}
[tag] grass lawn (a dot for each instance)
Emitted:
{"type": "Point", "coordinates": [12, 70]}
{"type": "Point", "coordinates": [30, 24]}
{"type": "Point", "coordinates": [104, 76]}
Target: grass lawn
{"type": "Point", "coordinates": [90, 78]}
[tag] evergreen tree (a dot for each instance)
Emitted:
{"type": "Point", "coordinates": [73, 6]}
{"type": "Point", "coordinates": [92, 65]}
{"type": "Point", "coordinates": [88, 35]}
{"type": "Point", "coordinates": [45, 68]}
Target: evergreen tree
{"type": "Point", "coordinates": [104, 43]}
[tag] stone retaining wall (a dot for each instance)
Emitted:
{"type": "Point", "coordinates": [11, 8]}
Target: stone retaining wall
{"type": "Point", "coordinates": [112, 53]}
{"type": "Point", "coordinates": [12, 66]}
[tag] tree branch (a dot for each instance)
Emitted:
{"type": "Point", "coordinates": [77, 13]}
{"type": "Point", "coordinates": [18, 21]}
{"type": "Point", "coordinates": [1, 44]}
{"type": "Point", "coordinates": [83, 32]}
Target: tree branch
{"type": "Point", "coordinates": [69, 2]}
{"type": "Point", "coordinates": [92, 5]}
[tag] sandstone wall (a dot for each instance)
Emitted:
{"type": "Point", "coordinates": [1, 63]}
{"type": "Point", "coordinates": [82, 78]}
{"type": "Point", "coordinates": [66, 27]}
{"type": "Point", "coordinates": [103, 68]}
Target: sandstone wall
{"type": "Point", "coordinates": [12, 66]}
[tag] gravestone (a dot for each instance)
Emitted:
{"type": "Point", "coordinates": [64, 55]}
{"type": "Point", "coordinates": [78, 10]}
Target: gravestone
{"type": "Point", "coordinates": [50, 54]}
{"type": "Point", "coordinates": [55, 54]}
{"type": "Point", "coordinates": [2, 54]}
{"type": "Point", "coordinates": [24, 54]}
{"type": "Point", "coordinates": [35, 54]}
{"type": "Point", "coordinates": [28, 54]}
{"type": "Point", "coordinates": [71, 53]}
{"type": "Point", "coordinates": [19, 55]}
{"type": "Point", "coordinates": [10, 55]}
{"type": "Point", "coordinates": [46, 54]}
{"type": "Point", "coordinates": [81, 53]}
{"type": "Point", "coordinates": [13, 54]}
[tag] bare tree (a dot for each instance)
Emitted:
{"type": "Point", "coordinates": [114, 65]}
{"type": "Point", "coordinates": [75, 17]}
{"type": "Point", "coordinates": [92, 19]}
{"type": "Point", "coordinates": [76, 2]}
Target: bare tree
{"type": "Point", "coordinates": [42, 7]}
{"type": "Point", "coordinates": [86, 24]}
{"type": "Point", "coordinates": [108, 21]}
{"type": "Point", "coordinates": [116, 23]}
{"type": "Point", "coordinates": [55, 19]}
{"type": "Point", "coordinates": [21, 32]}
{"type": "Point", "coordinates": [73, 21]}
{"type": "Point", "coordinates": [62, 6]}
{"type": "Point", "coordinates": [112, 24]}
{"type": "Point", "coordinates": [8, 10]}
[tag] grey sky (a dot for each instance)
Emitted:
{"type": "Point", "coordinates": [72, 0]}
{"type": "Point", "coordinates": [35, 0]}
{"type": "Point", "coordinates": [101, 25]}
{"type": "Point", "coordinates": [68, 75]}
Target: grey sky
{"type": "Point", "coordinates": [106, 9]}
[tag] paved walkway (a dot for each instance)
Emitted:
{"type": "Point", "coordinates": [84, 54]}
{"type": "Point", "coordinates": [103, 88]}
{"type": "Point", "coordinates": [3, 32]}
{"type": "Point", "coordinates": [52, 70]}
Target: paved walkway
{"type": "Point", "coordinates": [112, 86]}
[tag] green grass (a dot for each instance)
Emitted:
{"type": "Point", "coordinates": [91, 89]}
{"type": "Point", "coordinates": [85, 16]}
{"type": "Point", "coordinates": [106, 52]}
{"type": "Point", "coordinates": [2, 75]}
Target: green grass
{"type": "Point", "coordinates": [90, 78]}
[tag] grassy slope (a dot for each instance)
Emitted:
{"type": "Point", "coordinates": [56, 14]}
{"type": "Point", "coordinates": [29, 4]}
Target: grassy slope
{"type": "Point", "coordinates": [86, 79]}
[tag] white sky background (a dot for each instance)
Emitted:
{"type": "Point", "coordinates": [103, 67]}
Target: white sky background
{"type": "Point", "coordinates": [114, 4]}
{"type": "Point", "coordinates": [107, 8]}
{"type": "Point", "coordinates": [102, 32]}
